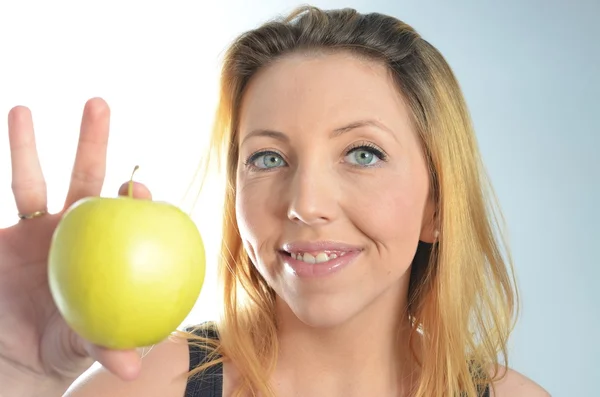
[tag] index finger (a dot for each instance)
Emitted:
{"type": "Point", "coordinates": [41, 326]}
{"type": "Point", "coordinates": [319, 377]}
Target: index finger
{"type": "Point", "coordinates": [89, 169]}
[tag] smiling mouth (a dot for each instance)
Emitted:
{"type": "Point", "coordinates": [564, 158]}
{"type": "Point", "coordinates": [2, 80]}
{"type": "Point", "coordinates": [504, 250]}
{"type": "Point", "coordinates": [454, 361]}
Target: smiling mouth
{"type": "Point", "coordinates": [315, 257]}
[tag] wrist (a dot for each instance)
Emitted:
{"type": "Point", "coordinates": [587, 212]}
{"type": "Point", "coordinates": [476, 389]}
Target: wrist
{"type": "Point", "coordinates": [17, 382]}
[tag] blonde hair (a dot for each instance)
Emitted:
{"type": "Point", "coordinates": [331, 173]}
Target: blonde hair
{"type": "Point", "coordinates": [462, 296]}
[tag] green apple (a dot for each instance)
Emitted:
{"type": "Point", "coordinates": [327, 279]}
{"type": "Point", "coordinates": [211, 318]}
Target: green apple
{"type": "Point", "coordinates": [124, 272]}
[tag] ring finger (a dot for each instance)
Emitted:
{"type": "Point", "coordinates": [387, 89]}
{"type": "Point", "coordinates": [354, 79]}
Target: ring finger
{"type": "Point", "coordinates": [28, 184]}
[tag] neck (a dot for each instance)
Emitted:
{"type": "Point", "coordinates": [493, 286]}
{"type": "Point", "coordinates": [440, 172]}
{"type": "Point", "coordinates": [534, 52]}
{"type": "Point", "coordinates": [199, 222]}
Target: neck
{"type": "Point", "coordinates": [366, 355]}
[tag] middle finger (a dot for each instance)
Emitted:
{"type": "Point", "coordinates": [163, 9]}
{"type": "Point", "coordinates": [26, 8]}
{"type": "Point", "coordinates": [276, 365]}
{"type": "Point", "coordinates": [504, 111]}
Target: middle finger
{"type": "Point", "coordinates": [28, 182]}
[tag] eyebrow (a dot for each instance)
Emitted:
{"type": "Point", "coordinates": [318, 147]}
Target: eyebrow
{"type": "Point", "coordinates": [280, 136]}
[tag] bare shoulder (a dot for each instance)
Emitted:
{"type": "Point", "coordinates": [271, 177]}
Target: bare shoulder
{"type": "Point", "coordinates": [164, 373]}
{"type": "Point", "coordinates": [514, 384]}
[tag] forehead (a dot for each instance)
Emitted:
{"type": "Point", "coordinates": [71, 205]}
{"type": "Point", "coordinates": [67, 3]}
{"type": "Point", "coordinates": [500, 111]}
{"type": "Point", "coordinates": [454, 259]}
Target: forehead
{"type": "Point", "coordinates": [320, 91]}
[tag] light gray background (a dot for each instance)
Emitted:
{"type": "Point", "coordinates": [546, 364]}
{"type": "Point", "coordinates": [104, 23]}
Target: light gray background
{"type": "Point", "coordinates": [530, 71]}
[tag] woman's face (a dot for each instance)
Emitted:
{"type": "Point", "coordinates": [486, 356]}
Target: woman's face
{"type": "Point", "coordinates": [332, 186]}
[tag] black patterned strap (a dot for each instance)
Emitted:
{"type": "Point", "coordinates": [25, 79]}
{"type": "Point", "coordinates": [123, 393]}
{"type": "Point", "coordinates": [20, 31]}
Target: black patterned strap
{"type": "Point", "coordinates": [486, 392]}
{"type": "Point", "coordinates": [208, 383]}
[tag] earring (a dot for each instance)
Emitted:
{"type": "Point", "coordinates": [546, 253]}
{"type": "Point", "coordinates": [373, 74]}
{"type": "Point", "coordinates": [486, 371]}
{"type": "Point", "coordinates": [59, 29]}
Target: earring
{"type": "Point", "coordinates": [436, 234]}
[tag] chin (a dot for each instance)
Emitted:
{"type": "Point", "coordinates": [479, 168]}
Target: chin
{"type": "Point", "coordinates": [322, 311]}
{"type": "Point", "coordinates": [356, 293]}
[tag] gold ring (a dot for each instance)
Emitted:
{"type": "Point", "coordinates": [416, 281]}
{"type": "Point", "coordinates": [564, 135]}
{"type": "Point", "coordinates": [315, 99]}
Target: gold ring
{"type": "Point", "coordinates": [35, 214]}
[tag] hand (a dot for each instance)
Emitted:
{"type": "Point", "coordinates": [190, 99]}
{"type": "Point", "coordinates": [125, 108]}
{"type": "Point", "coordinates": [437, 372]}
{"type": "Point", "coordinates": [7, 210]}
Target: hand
{"type": "Point", "coordinates": [35, 341]}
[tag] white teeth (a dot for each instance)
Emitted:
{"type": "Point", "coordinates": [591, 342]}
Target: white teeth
{"type": "Point", "coordinates": [319, 258]}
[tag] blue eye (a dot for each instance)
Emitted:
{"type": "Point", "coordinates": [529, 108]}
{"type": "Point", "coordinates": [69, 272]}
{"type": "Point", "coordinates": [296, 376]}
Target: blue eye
{"type": "Point", "coordinates": [265, 160]}
{"type": "Point", "coordinates": [364, 156]}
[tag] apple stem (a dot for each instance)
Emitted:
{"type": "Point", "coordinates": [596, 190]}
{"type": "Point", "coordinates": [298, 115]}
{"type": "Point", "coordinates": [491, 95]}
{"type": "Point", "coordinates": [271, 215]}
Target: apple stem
{"type": "Point", "coordinates": [130, 190]}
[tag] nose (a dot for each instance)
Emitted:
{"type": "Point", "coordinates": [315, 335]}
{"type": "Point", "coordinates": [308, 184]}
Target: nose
{"type": "Point", "coordinates": [313, 197]}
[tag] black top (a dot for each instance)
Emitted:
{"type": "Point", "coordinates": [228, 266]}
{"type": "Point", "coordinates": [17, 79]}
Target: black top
{"type": "Point", "coordinates": [209, 383]}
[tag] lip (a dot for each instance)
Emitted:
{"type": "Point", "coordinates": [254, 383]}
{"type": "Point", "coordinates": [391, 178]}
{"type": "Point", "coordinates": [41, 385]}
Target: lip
{"type": "Point", "coordinates": [303, 269]}
{"type": "Point", "coordinates": [311, 246]}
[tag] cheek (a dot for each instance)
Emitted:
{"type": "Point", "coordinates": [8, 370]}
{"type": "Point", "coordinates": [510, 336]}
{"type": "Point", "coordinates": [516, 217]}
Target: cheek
{"type": "Point", "coordinates": [255, 221]}
{"type": "Point", "coordinates": [389, 211]}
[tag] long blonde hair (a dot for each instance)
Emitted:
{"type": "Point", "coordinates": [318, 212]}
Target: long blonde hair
{"type": "Point", "coordinates": [462, 295]}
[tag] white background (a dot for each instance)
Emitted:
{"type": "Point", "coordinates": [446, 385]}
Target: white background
{"type": "Point", "coordinates": [529, 70]}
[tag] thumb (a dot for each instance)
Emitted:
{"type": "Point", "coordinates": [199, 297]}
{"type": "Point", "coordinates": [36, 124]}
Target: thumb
{"type": "Point", "coordinates": [140, 191]}
{"type": "Point", "coordinates": [125, 364]}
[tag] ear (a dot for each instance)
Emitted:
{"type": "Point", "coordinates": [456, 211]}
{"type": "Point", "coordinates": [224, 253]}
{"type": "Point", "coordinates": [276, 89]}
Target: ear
{"type": "Point", "coordinates": [429, 225]}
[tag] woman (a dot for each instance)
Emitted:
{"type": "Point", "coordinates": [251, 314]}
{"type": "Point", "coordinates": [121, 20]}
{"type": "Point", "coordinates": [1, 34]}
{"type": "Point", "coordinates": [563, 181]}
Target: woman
{"type": "Point", "coordinates": [360, 254]}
